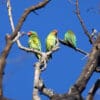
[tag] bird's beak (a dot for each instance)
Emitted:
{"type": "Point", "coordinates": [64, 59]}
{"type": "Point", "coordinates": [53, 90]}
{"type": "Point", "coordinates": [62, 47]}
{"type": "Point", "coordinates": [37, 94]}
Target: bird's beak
{"type": "Point", "coordinates": [55, 32]}
{"type": "Point", "coordinates": [29, 33]}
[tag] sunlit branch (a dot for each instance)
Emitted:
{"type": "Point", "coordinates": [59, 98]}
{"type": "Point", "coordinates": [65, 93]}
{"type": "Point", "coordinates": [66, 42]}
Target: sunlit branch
{"type": "Point", "coordinates": [10, 15]}
{"type": "Point", "coordinates": [15, 38]}
{"type": "Point", "coordinates": [38, 83]}
{"type": "Point", "coordinates": [12, 25]}
{"type": "Point", "coordinates": [44, 90]}
{"type": "Point", "coordinates": [23, 47]}
{"type": "Point", "coordinates": [82, 22]}
{"type": "Point", "coordinates": [44, 56]}
{"type": "Point", "coordinates": [39, 66]}
{"type": "Point", "coordinates": [37, 73]}
{"type": "Point", "coordinates": [26, 13]}
{"type": "Point", "coordinates": [42, 61]}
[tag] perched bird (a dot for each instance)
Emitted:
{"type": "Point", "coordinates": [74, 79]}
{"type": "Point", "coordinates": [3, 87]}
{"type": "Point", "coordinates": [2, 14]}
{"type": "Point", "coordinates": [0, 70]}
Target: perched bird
{"type": "Point", "coordinates": [51, 40]}
{"type": "Point", "coordinates": [34, 42]}
{"type": "Point", "coordinates": [70, 39]}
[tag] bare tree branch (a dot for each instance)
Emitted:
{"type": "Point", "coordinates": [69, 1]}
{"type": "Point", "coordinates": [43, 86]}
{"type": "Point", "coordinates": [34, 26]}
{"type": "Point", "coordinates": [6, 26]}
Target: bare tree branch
{"type": "Point", "coordinates": [16, 39]}
{"type": "Point", "coordinates": [3, 57]}
{"type": "Point", "coordinates": [9, 38]}
{"type": "Point", "coordinates": [39, 66]}
{"type": "Point", "coordinates": [82, 22]}
{"type": "Point", "coordinates": [44, 56]}
{"type": "Point", "coordinates": [93, 90]}
{"type": "Point", "coordinates": [44, 90]}
{"type": "Point", "coordinates": [36, 81]}
{"type": "Point", "coordinates": [26, 13]}
{"type": "Point", "coordinates": [88, 69]}
{"type": "Point", "coordinates": [38, 85]}
{"type": "Point", "coordinates": [10, 15]}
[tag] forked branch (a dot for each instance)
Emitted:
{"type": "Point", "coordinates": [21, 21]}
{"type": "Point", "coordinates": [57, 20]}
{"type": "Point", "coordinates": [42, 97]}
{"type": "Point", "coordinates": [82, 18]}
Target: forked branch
{"type": "Point", "coordinates": [39, 66]}
{"type": "Point", "coordinates": [26, 13]}
{"type": "Point", "coordinates": [9, 38]}
{"type": "Point", "coordinates": [88, 69]}
{"type": "Point", "coordinates": [82, 22]}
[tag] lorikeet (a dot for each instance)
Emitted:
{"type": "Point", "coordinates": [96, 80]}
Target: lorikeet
{"type": "Point", "coordinates": [51, 40]}
{"type": "Point", "coordinates": [34, 42]}
{"type": "Point", "coordinates": [70, 39]}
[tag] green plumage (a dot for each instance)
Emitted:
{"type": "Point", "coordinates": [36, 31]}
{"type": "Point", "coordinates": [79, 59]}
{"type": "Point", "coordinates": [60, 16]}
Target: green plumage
{"type": "Point", "coordinates": [34, 42]}
{"type": "Point", "coordinates": [51, 40]}
{"type": "Point", "coordinates": [70, 39]}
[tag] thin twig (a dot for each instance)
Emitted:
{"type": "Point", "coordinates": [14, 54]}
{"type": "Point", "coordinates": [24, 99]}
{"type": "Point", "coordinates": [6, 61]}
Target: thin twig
{"type": "Point", "coordinates": [38, 69]}
{"type": "Point", "coordinates": [77, 49]}
{"type": "Point", "coordinates": [82, 22]}
{"type": "Point", "coordinates": [16, 35]}
{"type": "Point", "coordinates": [10, 15]}
{"type": "Point", "coordinates": [37, 65]}
{"type": "Point", "coordinates": [23, 47]}
{"type": "Point", "coordinates": [16, 39]}
{"type": "Point", "coordinates": [93, 90]}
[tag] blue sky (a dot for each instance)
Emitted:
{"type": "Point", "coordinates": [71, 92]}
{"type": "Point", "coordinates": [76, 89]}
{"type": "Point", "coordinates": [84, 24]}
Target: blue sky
{"type": "Point", "coordinates": [66, 65]}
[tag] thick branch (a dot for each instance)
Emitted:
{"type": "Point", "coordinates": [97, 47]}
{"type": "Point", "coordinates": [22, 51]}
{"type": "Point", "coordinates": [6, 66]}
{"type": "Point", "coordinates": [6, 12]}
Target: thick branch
{"type": "Point", "coordinates": [39, 85]}
{"type": "Point", "coordinates": [9, 38]}
{"type": "Point", "coordinates": [36, 81]}
{"type": "Point", "coordinates": [89, 68]}
{"type": "Point", "coordinates": [44, 90]}
{"type": "Point", "coordinates": [66, 97]}
{"type": "Point", "coordinates": [82, 22]}
{"type": "Point", "coordinates": [3, 57]}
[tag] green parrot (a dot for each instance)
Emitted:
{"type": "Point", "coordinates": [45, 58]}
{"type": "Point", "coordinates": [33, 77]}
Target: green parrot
{"type": "Point", "coordinates": [34, 42]}
{"type": "Point", "coordinates": [51, 40]}
{"type": "Point", "coordinates": [70, 39]}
